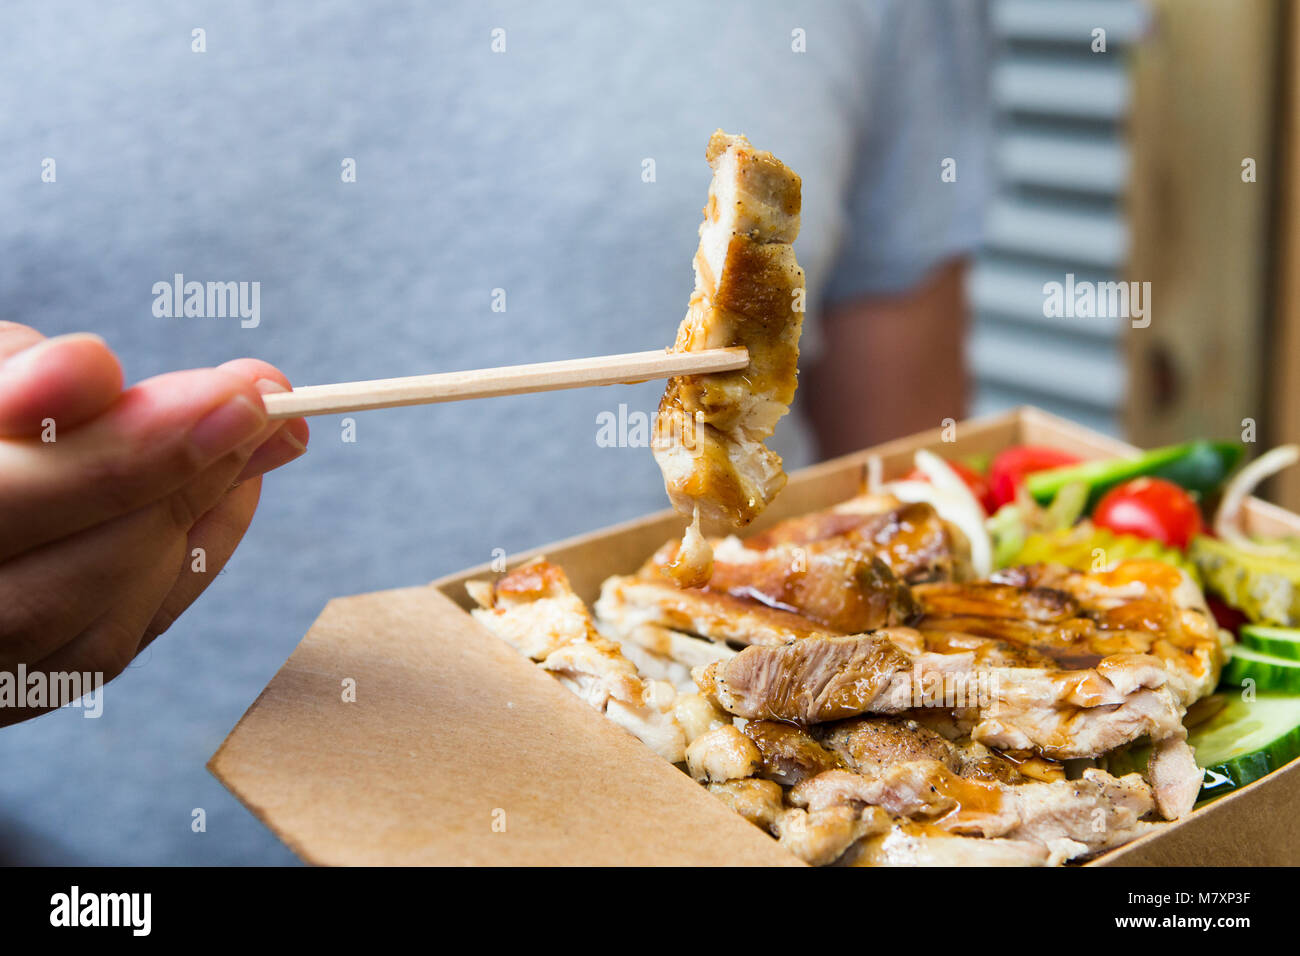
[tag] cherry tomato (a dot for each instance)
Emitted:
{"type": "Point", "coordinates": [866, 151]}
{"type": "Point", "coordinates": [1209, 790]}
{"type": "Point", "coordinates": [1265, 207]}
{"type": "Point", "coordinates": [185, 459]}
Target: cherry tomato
{"type": "Point", "coordinates": [1227, 616]}
{"type": "Point", "coordinates": [1009, 467]}
{"type": "Point", "coordinates": [1150, 508]}
{"type": "Point", "coordinates": [973, 479]}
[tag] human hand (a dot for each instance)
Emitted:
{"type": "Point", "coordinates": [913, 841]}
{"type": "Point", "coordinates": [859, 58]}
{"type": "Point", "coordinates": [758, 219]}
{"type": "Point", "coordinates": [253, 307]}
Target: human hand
{"type": "Point", "coordinates": [118, 507]}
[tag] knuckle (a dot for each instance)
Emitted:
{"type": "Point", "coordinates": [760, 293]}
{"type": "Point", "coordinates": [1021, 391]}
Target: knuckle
{"type": "Point", "coordinates": [113, 479]}
{"type": "Point", "coordinates": [182, 512]}
{"type": "Point", "coordinates": [160, 624]}
{"type": "Point", "coordinates": [24, 625]}
{"type": "Point", "coordinates": [131, 475]}
{"type": "Point", "coordinates": [112, 647]}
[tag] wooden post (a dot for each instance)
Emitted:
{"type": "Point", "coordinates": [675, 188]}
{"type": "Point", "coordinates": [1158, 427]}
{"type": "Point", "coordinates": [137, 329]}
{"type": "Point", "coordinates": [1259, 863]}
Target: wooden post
{"type": "Point", "coordinates": [1204, 105]}
{"type": "Point", "coordinates": [1284, 338]}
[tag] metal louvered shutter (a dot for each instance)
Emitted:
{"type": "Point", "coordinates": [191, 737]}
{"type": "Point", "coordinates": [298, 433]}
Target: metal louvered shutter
{"type": "Point", "coordinates": [1061, 165]}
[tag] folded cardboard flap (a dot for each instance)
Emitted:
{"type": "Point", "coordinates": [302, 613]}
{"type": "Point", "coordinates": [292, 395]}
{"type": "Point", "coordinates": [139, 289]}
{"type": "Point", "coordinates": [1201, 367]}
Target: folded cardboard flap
{"type": "Point", "coordinates": [456, 750]}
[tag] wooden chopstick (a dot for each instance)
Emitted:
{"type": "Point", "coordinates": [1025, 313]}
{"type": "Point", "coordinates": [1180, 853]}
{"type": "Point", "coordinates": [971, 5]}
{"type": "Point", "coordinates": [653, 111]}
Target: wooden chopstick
{"type": "Point", "coordinates": [625, 369]}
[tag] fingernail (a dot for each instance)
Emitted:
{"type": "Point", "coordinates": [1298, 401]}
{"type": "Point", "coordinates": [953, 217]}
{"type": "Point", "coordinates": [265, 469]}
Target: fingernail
{"type": "Point", "coordinates": [283, 448]}
{"type": "Point", "coordinates": [269, 385]}
{"type": "Point", "coordinates": [290, 439]}
{"type": "Point", "coordinates": [228, 426]}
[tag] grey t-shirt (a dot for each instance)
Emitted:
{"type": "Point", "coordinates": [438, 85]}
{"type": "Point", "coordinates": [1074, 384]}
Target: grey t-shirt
{"type": "Point", "coordinates": [561, 175]}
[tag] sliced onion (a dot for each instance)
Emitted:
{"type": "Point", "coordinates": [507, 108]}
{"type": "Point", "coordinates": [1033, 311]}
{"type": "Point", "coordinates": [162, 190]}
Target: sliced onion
{"type": "Point", "coordinates": [1227, 520]}
{"type": "Point", "coordinates": [954, 502]}
{"type": "Point", "coordinates": [875, 474]}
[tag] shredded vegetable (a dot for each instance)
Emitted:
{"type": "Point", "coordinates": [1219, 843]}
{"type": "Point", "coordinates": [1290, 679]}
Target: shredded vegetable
{"type": "Point", "coordinates": [1227, 520]}
{"type": "Point", "coordinates": [954, 502]}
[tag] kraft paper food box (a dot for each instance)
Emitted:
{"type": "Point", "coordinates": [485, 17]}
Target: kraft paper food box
{"type": "Point", "coordinates": [459, 751]}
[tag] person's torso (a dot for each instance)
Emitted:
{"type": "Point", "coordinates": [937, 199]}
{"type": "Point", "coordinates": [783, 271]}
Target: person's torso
{"type": "Point", "coordinates": [536, 203]}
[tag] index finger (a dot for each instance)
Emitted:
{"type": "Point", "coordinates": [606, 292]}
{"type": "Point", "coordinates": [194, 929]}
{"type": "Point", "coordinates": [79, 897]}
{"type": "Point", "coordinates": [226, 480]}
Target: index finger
{"type": "Point", "coordinates": [157, 437]}
{"type": "Point", "coordinates": [68, 380]}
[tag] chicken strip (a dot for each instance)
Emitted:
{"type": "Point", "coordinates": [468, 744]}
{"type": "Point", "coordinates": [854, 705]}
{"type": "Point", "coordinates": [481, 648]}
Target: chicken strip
{"type": "Point", "coordinates": [1070, 818]}
{"type": "Point", "coordinates": [830, 573]}
{"type": "Point", "coordinates": [660, 653]}
{"type": "Point", "coordinates": [1125, 623]}
{"type": "Point", "coordinates": [534, 609]}
{"type": "Point", "coordinates": [757, 597]}
{"type": "Point", "coordinates": [749, 291]}
{"type": "Point", "coordinates": [915, 543]}
{"type": "Point", "coordinates": [627, 604]}
{"type": "Point", "coordinates": [920, 844]}
{"type": "Point", "coordinates": [810, 681]}
{"type": "Point", "coordinates": [1057, 713]}
{"type": "Point", "coordinates": [1174, 776]}
{"type": "Point", "coordinates": [1142, 608]}
{"type": "Point", "coordinates": [843, 590]}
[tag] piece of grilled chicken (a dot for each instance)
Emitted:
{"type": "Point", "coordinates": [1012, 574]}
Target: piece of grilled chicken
{"type": "Point", "coordinates": [860, 779]}
{"type": "Point", "coordinates": [1059, 714]}
{"type": "Point", "coordinates": [710, 430]}
{"type": "Point", "coordinates": [1080, 619]}
{"type": "Point", "coordinates": [833, 572]}
{"type": "Point", "coordinates": [534, 609]}
{"type": "Point", "coordinates": [911, 538]}
{"type": "Point", "coordinates": [1098, 662]}
{"type": "Point", "coordinates": [911, 844]}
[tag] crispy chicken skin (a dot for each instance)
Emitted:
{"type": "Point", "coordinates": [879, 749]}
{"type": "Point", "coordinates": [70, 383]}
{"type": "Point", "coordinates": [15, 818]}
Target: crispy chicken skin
{"type": "Point", "coordinates": [710, 429]}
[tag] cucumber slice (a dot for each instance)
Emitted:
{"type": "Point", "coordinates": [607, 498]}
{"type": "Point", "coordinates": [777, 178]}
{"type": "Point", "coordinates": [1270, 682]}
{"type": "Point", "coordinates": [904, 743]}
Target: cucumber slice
{"type": "Point", "coordinates": [1267, 671]}
{"type": "Point", "coordinates": [1246, 740]}
{"type": "Point", "coordinates": [1278, 641]}
{"type": "Point", "coordinates": [1199, 466]}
